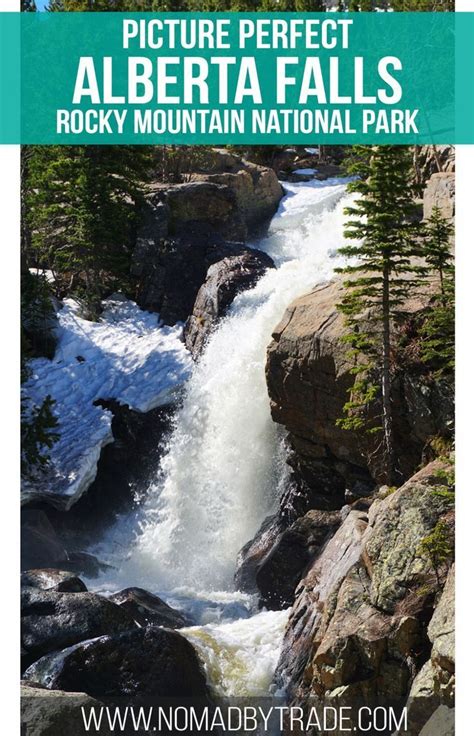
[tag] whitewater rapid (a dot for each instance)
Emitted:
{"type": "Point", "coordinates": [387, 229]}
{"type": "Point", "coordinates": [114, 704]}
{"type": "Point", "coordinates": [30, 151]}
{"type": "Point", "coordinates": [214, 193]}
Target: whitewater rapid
{"type": "Point", "coordinates": [224, 467]}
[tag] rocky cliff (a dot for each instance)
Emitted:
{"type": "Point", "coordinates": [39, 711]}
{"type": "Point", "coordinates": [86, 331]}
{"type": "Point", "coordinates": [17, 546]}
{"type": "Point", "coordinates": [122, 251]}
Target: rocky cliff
{"type": "Point", "coordinates": [308, 377]}
{"type": "Point", "coordinates": [373, 615]}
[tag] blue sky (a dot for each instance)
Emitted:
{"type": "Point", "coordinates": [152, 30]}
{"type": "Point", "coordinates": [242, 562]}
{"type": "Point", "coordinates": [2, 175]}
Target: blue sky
{"type": "Point", "coordinates": [41, 3]}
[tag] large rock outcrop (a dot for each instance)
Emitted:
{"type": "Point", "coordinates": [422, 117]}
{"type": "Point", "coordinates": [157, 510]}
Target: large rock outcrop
{"type": "Point", "coordinates": [149, 610]}
{"type": "Point", "coordinates": [53, 712]}
{"type": "Point", "coordinates": [52, 620]}
{"type": "Point", "coordinates": [60, 581]}
{"type": "Point", "coordinates": [171, 272]}
{"type": "Point", "coordinates": [147, 661]}
{"type": "Point", "coordinates": [275, 568]}
{"type": "Point", "coordinates": [431, 695]}
{"type": "Point", "coordinates": [429, 160]}
{"type": "Point", "coordinates": [440, 193]}
{"type": "Point", "coordinates": [184, 227]}
{"type": "Point", "coordinates": [224, 281]}
{"type": "Point", "coordinates": [308, 377]}
{"type": "Point", "coordinates": [205, 204]}
{"type": "Point", "coordinates": [256, 188]}
{"type": "Point", "coordinates": [359, 624]}
{"type": "Point", "coordinates": [40, 544]}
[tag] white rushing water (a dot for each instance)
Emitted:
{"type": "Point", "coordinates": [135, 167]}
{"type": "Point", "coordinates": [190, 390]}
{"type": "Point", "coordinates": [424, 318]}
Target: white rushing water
{"type": "Point", "coordinates": [225, 464]}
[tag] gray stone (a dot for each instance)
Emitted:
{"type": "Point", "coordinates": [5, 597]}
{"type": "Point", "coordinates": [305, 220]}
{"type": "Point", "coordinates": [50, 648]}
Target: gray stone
{"type": "Point", "coordinates": [308, 377]}
{"type": "Point", "coordinates": [146, 661]}
{"type": "Point", "coordinates": [224, 280]}
{"type": "Point", "coordinates": [52, 620]}
{"type": "Point", "coordinates": [53, 712]}
{"type": "Point", "coordinates": [149, 610]}
{"type": "Point", "coordinates": [60, 581]}
{"type": "Point", "coordinates": [359, 624]}
{"type": "Point", "coordinates": [440, 192]}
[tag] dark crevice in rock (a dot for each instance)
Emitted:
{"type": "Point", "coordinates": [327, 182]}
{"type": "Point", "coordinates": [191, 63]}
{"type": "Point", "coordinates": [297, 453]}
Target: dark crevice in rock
{"type": "Point", "coordinates": [54, 538]}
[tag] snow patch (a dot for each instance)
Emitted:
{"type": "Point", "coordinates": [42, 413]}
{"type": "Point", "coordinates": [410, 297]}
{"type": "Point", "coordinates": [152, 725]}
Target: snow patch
{"type": "Point", "coordinates": [129, 356]}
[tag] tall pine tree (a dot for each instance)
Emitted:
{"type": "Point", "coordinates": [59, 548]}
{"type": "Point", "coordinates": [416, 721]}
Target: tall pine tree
{"type": "Point", "coordinates": [438, 331]}
{"type": "Point", "coordinates": [380, 275]}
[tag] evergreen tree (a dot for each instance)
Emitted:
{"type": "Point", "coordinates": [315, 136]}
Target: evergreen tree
{"type": "Point", "coordinates": [38, 435]}
{"type": "Point", "coordinates": [243, 6]}
{"type": "Point", "coordinates": [341, 7]}
{"type": "Point", "coordinates": [38, 318]}
{"type": "Point", "coordinates": [276, 6]}
{"type": "Point", "coordinates": [438, 330]}
{"type": "Point", "coordinates": [310, 6]}
{"type": "Point", "coordinates": [162, 6]}
{"type": "Point", "coordinates": [82, 208]}
{"type": "Point", "coordinates": [378, 283]}
{"type": "Point", "coordinates": [437, 247]}
{"type": "Point", "coordinates": [38, 422]}
{"type": "Point", "coordinates": [424, 5]}
{"type": "Point", "coordinates": [354, 6]}
{"type": "Point", "coordinates": [366, 6]}
{"type": "Point", "coordinates": [28, 6]}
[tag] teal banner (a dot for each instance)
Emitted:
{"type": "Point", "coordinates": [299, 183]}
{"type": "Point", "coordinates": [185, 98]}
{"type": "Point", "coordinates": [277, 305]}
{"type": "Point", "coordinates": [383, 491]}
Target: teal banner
{"type": "Point", "coordinates": [256, 78]}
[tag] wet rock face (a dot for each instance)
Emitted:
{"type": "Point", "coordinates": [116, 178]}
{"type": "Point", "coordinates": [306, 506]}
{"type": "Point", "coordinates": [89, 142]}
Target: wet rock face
{"type": "Point", "coordinates": [40, 545]}
{"type": "Point", "coordinates": [308, 377]}
{"type": "Point", "coordinates": [60, 581]}
{"type": "Point", "coordinates": [149, 610]}
{"type": "Point", "coordinates": [359, 624]}
{"type": "Point", "coordinates": [282, 568]}
{"type": "Point", "coordinates": [148, 661]}
{"type": "Point", "coordinates": [125, 464]}
{"type": "Point", "coordinates": [175, 269]}
{"type": "Point", "coordinates": [254, 552]}
{"type": "Point", "coordinates": [315, 592]}
{"type": "Point", "coordinates": [52, 620]}
{"type": "Point", "coordinates": [274, 562]}
{"type": "Point", "coordinates": [225, 279]}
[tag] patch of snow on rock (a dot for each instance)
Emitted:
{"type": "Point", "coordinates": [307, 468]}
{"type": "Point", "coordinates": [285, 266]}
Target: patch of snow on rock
{"type": "Point", "coordinates": [129, 356]}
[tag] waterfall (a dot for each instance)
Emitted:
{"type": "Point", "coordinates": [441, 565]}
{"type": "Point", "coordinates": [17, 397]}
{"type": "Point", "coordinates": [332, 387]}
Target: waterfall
{"type": "Point", "coordinates": [224, 466]}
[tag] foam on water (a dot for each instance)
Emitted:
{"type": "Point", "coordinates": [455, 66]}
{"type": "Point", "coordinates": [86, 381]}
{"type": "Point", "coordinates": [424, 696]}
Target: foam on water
{"type": "Point", "coordinates": [240, 657]}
